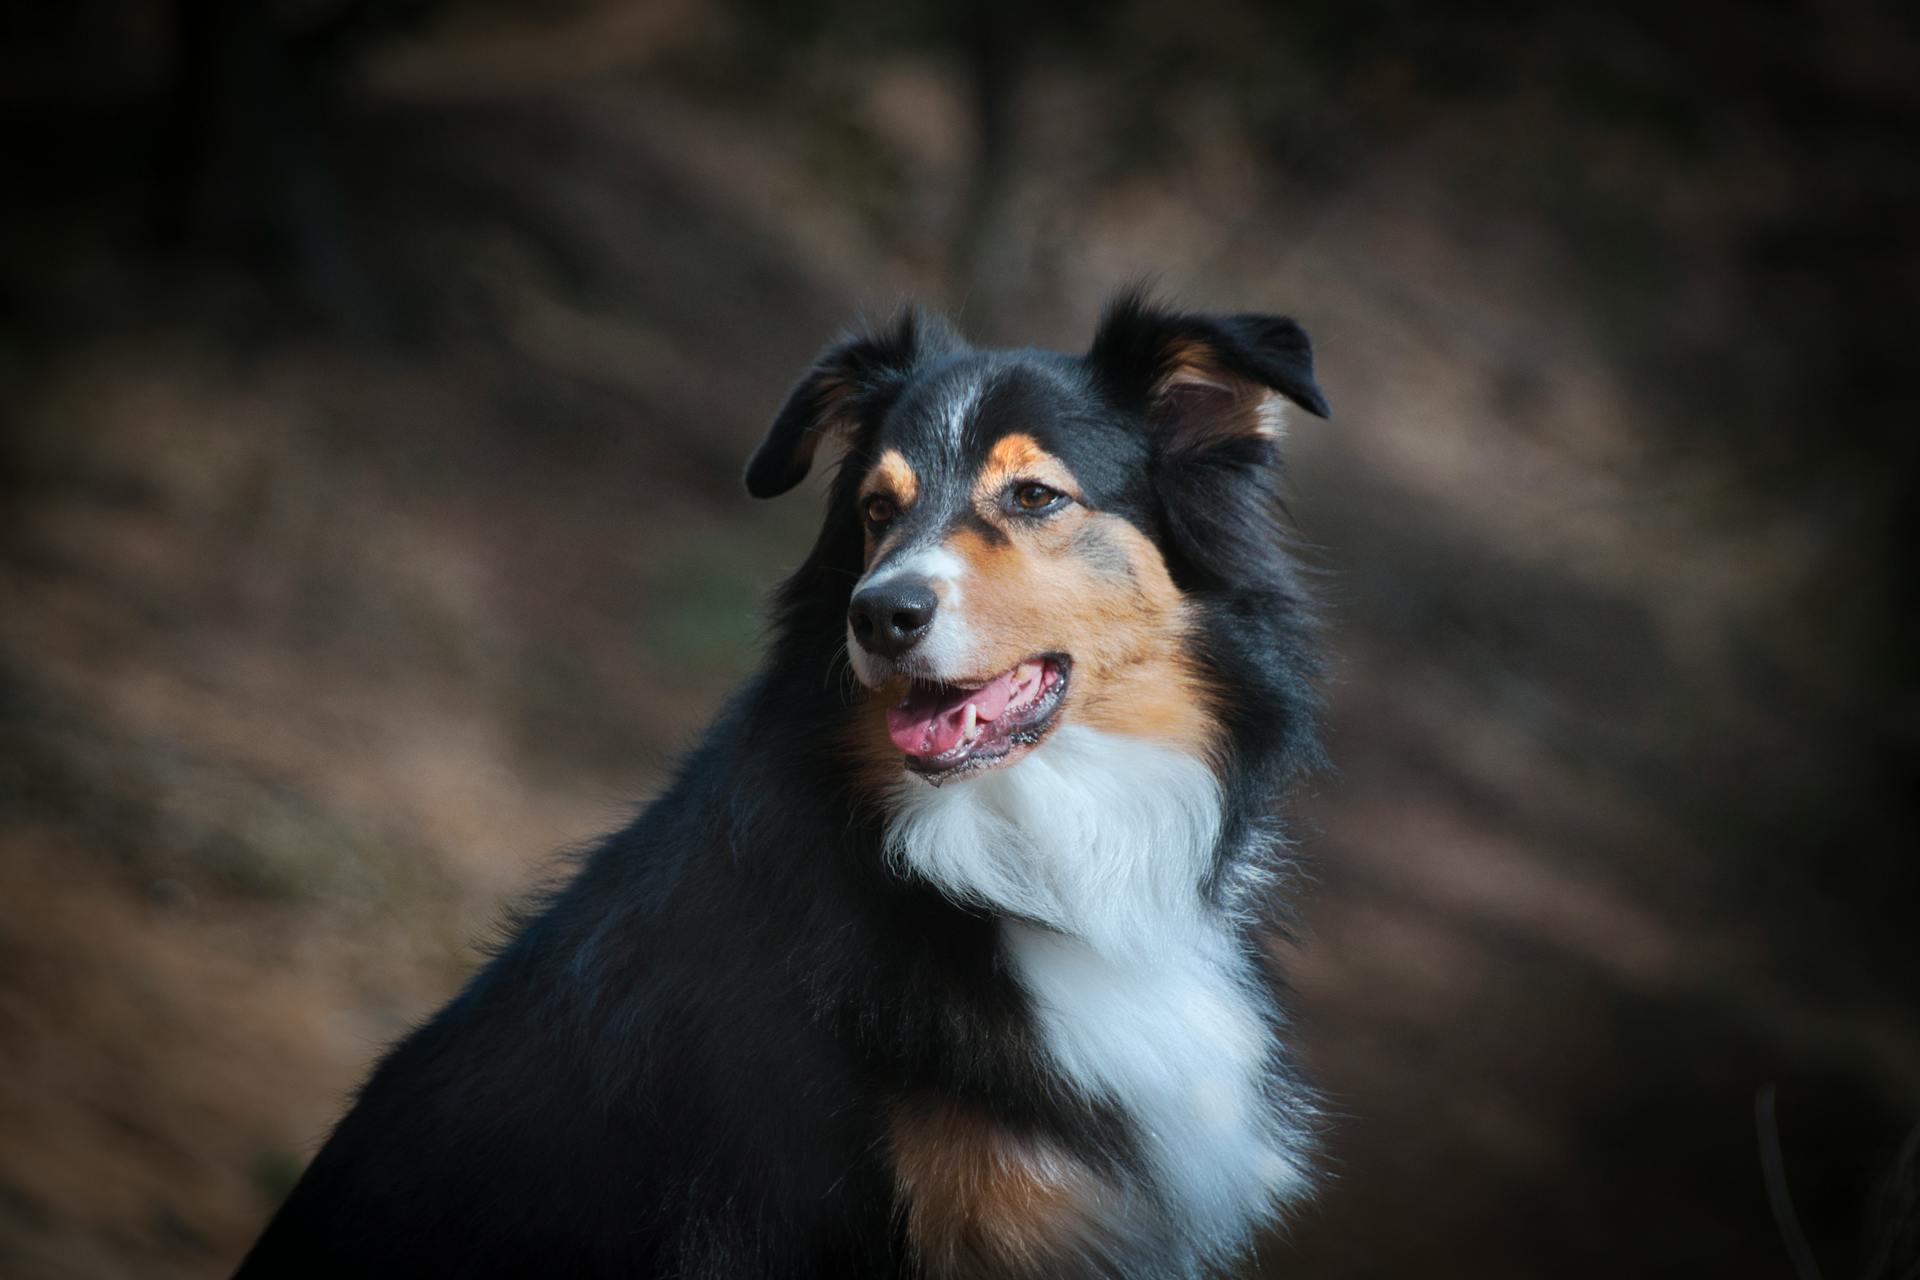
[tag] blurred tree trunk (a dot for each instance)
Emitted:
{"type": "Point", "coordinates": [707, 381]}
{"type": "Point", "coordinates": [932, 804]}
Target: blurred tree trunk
{"type": "Point", "coordinates": [983, 243]}
{"type": "Point", "coordinates": [246, 170]}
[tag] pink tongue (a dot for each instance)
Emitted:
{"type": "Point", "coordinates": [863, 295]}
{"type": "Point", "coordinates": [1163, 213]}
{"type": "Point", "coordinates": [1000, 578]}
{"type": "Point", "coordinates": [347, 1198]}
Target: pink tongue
{"type": "Point", "coordinates": [931, 723]}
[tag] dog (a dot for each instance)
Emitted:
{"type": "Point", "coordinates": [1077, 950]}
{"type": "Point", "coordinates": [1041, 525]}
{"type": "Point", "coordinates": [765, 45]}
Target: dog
{"type": "Point", "coordinates": [947, 951]}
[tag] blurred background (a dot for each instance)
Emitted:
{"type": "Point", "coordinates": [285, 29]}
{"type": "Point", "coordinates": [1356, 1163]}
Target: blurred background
{"type": "Point", "coordinates": [374, 381]}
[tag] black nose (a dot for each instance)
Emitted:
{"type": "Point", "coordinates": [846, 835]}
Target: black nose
{"type": "Point", "coordinates": [889, 618]}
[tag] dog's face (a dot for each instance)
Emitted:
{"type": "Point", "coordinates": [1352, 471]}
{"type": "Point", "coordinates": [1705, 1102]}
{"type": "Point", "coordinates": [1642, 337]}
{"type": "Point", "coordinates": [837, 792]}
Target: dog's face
{"type": "Point", "coordinates": [1020, 515]}
{"type": "Point", "coordinates": [1007, 584]}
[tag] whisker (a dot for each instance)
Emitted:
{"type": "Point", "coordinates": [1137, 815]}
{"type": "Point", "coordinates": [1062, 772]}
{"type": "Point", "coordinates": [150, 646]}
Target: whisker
{"type": "Point", "coordinates": [841, 664]}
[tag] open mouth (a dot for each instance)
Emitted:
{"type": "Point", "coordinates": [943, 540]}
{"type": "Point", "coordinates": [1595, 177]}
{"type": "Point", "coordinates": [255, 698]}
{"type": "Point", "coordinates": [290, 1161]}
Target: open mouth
{"type": "Point", "coordinates": [947, 729]}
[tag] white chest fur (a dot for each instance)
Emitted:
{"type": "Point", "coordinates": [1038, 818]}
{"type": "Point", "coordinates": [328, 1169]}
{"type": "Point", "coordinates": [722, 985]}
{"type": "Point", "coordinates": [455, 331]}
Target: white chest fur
{"type": "Point", "coordinates": [1096, 846]}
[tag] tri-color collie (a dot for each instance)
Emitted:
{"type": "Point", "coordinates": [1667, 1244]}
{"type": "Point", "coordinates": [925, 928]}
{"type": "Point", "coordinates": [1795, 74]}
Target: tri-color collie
{"type": "Point", "coordinates": [946, 953]}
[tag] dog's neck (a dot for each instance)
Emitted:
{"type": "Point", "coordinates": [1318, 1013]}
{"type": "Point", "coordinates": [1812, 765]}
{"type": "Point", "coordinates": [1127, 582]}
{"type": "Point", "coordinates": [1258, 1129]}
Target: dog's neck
{"type": "Point", "coordinates": [1096, 851]}
{"type": "Point", "coordinates": [1105, 839]}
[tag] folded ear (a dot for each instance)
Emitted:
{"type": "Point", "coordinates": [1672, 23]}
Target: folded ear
{"type": "Point", "coordinates": [849, 386]}
{"type": "Point", "coordinates": [1206, 379]}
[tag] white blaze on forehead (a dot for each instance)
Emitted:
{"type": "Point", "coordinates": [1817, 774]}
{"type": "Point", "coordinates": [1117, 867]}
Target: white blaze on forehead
{"type": "Point", "coordinates": [957, 404]}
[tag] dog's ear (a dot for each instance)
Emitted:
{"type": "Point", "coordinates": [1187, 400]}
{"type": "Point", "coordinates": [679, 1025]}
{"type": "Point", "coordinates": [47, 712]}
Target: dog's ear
{"type": "Point", "coordinates": [849, 386]}
{"type": "Point", "coordinates": [1202, 379]}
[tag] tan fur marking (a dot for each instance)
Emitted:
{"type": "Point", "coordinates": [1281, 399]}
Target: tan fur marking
{"type": "Point", "coordinates": [982, 1200]}
{"type": "Point", "coordinates": [893, 476]}
{"type": "Point", "coordinates": [1019, 457]}
{"type": "Point", "coordinates": [875, 762]}
{"type": "Point", "coordinates": [1091, 585]}
{"type": "Point", "coordinates": [1255, 409]}
{"type": "Point", "coordinates": [1184, 354]}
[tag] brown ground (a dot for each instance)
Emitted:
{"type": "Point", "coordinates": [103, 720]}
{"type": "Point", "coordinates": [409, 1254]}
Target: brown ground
{"type": "Point", "coordinates": [323, 624]}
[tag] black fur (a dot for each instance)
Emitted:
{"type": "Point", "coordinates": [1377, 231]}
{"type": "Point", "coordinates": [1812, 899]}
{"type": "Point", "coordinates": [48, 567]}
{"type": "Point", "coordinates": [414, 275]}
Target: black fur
{"type": "Point", "coordinates": [678, 1065]}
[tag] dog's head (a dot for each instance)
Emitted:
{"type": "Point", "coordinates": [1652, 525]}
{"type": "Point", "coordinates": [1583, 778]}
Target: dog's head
{"type": "Point", "coordinates": [1045, 538]}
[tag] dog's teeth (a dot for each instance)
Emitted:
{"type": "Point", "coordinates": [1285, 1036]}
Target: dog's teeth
{"type": "Point", "coordinates": [970, 726]}
{"type": "Point", "coordinates": [1025, 672]}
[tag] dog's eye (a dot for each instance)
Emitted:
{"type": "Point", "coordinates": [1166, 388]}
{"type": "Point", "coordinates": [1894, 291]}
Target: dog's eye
{"type": "Point", "coordinates": [1035, 499]}
{"type": "Point", "coordinates": [879, 511]}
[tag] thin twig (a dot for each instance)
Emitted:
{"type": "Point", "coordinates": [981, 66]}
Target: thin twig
{"type": "Point", "coordinates": [1779, 1196]}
